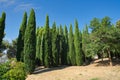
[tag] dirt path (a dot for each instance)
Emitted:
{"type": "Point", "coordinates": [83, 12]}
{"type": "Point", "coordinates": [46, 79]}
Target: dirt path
{"type": "Point", "coordinates": [90, 72]}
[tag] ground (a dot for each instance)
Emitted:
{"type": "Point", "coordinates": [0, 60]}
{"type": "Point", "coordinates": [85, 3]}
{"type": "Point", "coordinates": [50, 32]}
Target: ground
{"type": "Point", "coordinates": [95, 71]}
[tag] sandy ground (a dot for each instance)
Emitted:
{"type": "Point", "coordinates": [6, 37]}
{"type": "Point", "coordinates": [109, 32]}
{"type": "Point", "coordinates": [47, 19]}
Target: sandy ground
{"type": "Point", "coordinates": [94, 71]}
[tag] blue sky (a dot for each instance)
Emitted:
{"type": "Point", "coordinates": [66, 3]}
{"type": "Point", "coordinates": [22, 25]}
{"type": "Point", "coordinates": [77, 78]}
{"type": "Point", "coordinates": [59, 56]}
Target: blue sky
{"type": "Point", "coordinates": [61, 11]}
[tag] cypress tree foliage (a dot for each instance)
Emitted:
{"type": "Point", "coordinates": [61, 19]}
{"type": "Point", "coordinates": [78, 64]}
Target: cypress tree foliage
{"type": "Point", "coordinates": [20, 41]}
{"type": "Point", "coordinates": [58, 44]}
{"type": "Point", "coordinates": [85, 44]}
{"type": "Point", "coordinates": [78, 50]}
{"type": "Point", "coordinates": [38, 42]}
{"type": "Point", "coordinates": [65, 44]}
{"type": "Point", "coordinates": [61, 45]}
{"type": "Point", "coordinates": [47, 44]}
{"type": "Point", "coordinates": [54, 45]}
{"type": "Point", "coordinates": [42, 49]}
{"type": "Point", "coordinates": [30, 43]}
{"type": "Point", "coordinates": [71, 55]}
{"type": "Point", "coordinates": [39, 34]}
{"type": "Point", "coordinates": [2, 26]}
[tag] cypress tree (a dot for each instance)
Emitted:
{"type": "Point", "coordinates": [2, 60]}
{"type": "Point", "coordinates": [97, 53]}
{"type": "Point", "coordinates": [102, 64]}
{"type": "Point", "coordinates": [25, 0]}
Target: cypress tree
{"type": "Point", "coordinates": [42, 49]}
{"type": "Point", "coordinates": [54, 45]}
{"type": "Point", "coordinates": [30, 43]}
{"type": "Point", "coordinates": [20, 41]}
{"type": "Point", "coordinates": [65, 44]}
{"type": "Point", "coordinates": [58, 45]}
{"type": "Point", "coordinates": [72, 55]}
{"type": "Point", "coordinates": [61, 45]}
{"type": "Point", "coordinates": [47, 44]}
{"type": "Point", "coordinates": [77, 43]}
{"type": "Point", "coordinates": [2, 26]}
{"type": "Point", "coordinates": [38, 45]}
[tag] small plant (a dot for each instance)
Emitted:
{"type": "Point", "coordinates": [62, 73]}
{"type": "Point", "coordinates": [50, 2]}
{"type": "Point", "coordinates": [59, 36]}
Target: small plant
{"type": "Point", "coordinates": [95, 79]}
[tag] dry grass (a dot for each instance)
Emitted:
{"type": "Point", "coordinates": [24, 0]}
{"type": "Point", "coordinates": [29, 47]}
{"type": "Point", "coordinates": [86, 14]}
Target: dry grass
{"type": "Point", "coordinates": [95, 71]}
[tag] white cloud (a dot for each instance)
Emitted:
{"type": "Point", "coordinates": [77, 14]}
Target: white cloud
{"type": "Point", "coordinates": [25, 6]}
{"type": "Point", "coordinates": [6, 3]}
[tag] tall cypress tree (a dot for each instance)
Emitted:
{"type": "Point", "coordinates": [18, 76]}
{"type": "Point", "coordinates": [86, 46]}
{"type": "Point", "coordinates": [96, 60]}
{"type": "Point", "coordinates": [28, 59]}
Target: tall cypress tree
{"type": "Point", "coordinates": [65, 44]}
{"type": "Point", "coordinates": [2, 26]}
{"type": "Point", "coordinates": [39, 45]}
{"type": "Point", "coordinates": [47, 44]}
{"type": "Point", "coordinates": [20, 41]}
{"type": "Point", "coordinates": [42, 49]}
{"type": "Point", "coordinates": [54, 45]}
{"type": "Point", "coordinates": [30, 43]}
{"type": "Point", "coordinates": [77, 42]}
{"type": "Point", "coordinates": [61, 45]}
{"type": "Point", "coordinates": [71, 55]}
{"type": "Point", "coordinates": [58, 45]}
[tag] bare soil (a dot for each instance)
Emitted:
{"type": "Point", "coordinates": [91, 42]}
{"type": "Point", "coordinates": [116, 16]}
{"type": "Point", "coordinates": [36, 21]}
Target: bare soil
{"type": "Point", "coordinates": [97, 70]}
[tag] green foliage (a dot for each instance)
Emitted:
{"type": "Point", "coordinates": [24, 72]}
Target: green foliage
{"type": "Point", "coordinates": [16, 73]}
{"type": "Point", "coordinates": [55, 55]}
{"type": "Point", "coordinates": [65, 44]}
{"type": "Point", "coordinates": [2, 26]}
{"type": "Point", "coordinates": [61, 45]}
{"type": "Point", "coordinates": [39, 47]}
{"type": "Point", "coordinates": [71, 55]}
{"type": "Point", "coordinates": [20, 41]}
{"type": "Point", "coordinates": [47, 44]}
{"type": "Point", "coordinates": [78, 47]}
{"type": "Point", "coordinates": [4, 68]}
{"type": "Point", "coordinates": [94, 24]}
{"type": "Point", "coordinates": [118, 24]}
{"type": "Point", "coordinates": [12, 70]}
{"type": "Point", "coordinates": [30, 43]}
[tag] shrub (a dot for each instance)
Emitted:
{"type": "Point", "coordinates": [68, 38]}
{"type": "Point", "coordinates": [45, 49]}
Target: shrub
{"type": "Point", "coordinates": [14, 71]}
{"type": "Point", "coordinates": [4, 68]}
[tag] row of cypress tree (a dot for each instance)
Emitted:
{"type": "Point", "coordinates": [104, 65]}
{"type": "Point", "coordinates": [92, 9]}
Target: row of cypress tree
{"type": "Point", "coordinates": [57, 46]}
{"type": "Point", "coordinates": [48, 46]}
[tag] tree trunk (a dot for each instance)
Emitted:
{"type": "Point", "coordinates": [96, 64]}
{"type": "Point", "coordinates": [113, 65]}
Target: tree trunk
{"type": "Point", "coordinates": [109, 55]}
{"type": "Point", "coordinates": [102, 56]}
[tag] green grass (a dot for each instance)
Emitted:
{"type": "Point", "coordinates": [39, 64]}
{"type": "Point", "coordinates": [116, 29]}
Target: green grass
{"type": "Point", "coordinates": [95, 79]}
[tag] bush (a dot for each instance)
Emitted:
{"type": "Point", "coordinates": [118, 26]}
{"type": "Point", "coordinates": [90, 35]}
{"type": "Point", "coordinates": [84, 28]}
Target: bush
{"type": "Point", "coordinates": [4, 68]}
{"type": "Point", "coordinates": [16, 71]}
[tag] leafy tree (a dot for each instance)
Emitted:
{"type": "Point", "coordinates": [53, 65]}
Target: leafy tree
{"type": "Point", "coordinates": [30, 43]}
{"type": "Point", "coordinates": [118, 24]}
{"type": "Point", "coordinates": [2, 26]}
{"type": "Point", "coordinates": [87, 45]}
{"type": "Point", "coordinates": [78, 48]}
{"type": "Point", "coordinates": [105, 39]}
{"type": "Point", "coordinates": [94, 24]}
{"type": "Point", "coordinates": [71, 55]}
{"type": "Point", "coordinates": [105, 22]}
{"type": "Point", "coordinates": [20, 41]}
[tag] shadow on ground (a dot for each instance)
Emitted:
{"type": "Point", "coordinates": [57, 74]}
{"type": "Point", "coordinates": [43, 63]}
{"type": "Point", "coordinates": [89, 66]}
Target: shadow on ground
{"type": "Point", "coordinates": [42, 69]}
{"type": "Point", "coordinates": [106, 62]}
